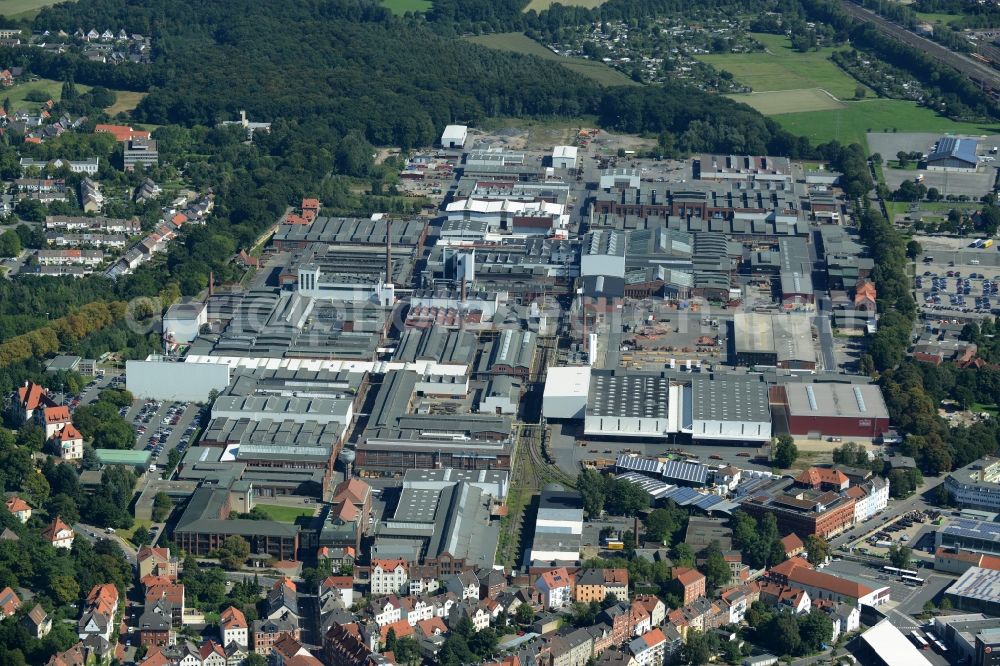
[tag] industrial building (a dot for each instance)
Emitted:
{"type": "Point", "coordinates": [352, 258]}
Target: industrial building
{"type": "Point", "coordinates": [631, 404]}
{"type": "Point", "coordinates": [405, 431]}
{"type": "Point", "coordinates": [834, 410]}
{"type": "Point", "coordinates": [974, 637]}
{"type": "Point", "coordinates": [727, 409]}
{"type": "Point", "coordinates": [445, 519]}
{"type": "Point", "coordinates": [182, 322]}
{"type": "Point", "coordinates": [159, 378]}
{"type": "Point", "coordinates": [205, 524]}
{"type": "Point", "coordinates": [970, 535]}
{"type": "Point", "coordinates": [976, 486]}
{"type": "Point", "coordinates": [885, 645]}
{"type": "Point", "coordinates": [954, 154]}
{"type": "Point", "coordinates": [978, 589]}
{"type": "Point", "coordinates": [566, 391]}
{"type": "Point", "coordinates": [454, 136]}
{"type": "Point", "coordinates": [558, 526]}
{"type": "Point", "coordinates": [784, 341]}
{"type": "Point", "coordinates": [564, 157]}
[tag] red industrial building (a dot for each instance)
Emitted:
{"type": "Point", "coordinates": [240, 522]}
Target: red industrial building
{"type": "Point", "coordinates": [834, 410]}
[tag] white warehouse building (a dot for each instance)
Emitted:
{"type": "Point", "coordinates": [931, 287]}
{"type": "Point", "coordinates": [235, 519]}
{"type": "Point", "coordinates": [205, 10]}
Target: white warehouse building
{"type": "Point", "coordinates": [454, 136]}
{"type": "Point", "coordinates": [564, 157]}
{"type": "Point", "coordinates": [566, 391]}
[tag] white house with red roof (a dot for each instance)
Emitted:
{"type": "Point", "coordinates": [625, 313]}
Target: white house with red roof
{"type": "Point", "coordinates": [648, 649]}
{"type": "Point", "coordinates": [18, 507]}
{"type": "Point", "coordinates": [55, 419]}
{"type": "Point", "coordinates": [30, 398]}
{"type": "Point", "coordinates": [233, 627]}
{"type": "Point", "coordinates": [69, 442]}
{"type": "Point", "coordinates": [556, 587]}
{"type": "Point", "coordinates": [59, 534]}
{"type": "Point", "coordinates": [389, 577]}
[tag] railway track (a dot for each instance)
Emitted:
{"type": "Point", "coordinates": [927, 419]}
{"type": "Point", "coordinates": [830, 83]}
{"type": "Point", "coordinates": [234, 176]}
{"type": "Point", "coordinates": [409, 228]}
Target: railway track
{"type": "Point", "coordinates": [980, 73]}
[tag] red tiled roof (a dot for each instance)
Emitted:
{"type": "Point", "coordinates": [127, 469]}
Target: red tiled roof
{"type": "Point", "coordinates": [352, 490]}
{"type": "Point", "coordinates": [688, 576]}
{"type": "Point", "coordinates": [58, 414]}
{"type": "Point", "coordinates": [68, 433]}
{"type": "Point", "coordinates": [825, 581]}
{"type": "Point", "coordinates": [33, 396]}
{"type": "Point", "coordinates": [338, 582]}
{"type": "Point", "coordinates": [15, 504]}
{"type": "Point", "coordinates": [401, 627]}
{"type": "Point", "coordinates": [788, 566]}
{"type": "Point", "coordinates": [122, 132]}
{"type": "Point", "coordinates": [53, 529]}
{"type": "Point", "coordinates": [233, 618]}
{"type": "Point", "coordinates": [792, 542]}
{"type": "Point", "coordinates": [654, 637]}
{"type": "Point", "coordinates": [431, 626]}
{"type": "Point", "coordinates": [388, 565]}
{"type": "Point", "coordinates": [817, 475]}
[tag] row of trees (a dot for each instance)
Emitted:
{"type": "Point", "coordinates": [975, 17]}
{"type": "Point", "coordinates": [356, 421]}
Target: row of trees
{"type": "Point", "coordinates": [606, 493]}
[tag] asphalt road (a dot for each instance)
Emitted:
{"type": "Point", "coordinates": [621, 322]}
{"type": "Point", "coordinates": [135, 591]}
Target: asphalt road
{"type": "Point", "coordinates": [94, 534]}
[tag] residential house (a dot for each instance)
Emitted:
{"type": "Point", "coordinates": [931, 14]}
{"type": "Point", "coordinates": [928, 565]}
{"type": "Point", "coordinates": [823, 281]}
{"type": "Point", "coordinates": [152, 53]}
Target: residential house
{"type": "Point", "coordinates": [212, 654]}
{"type": "Point", "coordinates": [641, 619]}
{"type": "Point", "coordinates": [54, 419]}
{"type": "Point", "coordinates": [59, 534]}
{"type": "Point", "coordinates": [649, 648]}
{"type": "Point", "coordinates": [616, 657]}
{"type": "Point", "coordinates": [491, 583]}
{"type": "Point", "coordinates": [388, 577]}
{"type": "Point", "coordinates": [477, 614]}
{"type": "Point", "coordinates": [99, 612]}
{"type": "Point", "coordinates": [169, 595]}
{"type": "Point", "coordinates": [691, 581]}
{"type": "Point", "coordinates": [268, 632]}
{"type": "Point", "coordinates": [289, 652]}
{"type": "Point", "coordinates": [654, 606]}
{"type": "Point", "coordinates": [341, 587]}
{"type": "Point", "coordinates": [596, 584]}
{"type": "Point", "coordinates": [37, 622]}
{"type": "Point", "coordinates": [792, 545]}
{"type": "Point", "coordinates": [157, 562]}
{"type": "Point", "coordinates": [30, 398]}
{"type": "Point", "coordinates": [556, 587]}
{"type": "Point", "coordinates": [796, 600]}
{"type": "Point", "coordinates": [19, 508]}
{"type": "Point", "coordinates": [154, 626]}
{"type": "Point", "coordinates": [465, 584]}
{"type": "Point", "coordinates": [572, 649]}
{"type": "Point", "coordinates": [386, 611]}
{"type": "Point", "coordinates": [619, 618]}
{"type": "Point", "coordinates": [233, 627]}
{"type": "Point", "coordinates": [68, 442]}
{"type": "Point", "coordinates": [10, 603]}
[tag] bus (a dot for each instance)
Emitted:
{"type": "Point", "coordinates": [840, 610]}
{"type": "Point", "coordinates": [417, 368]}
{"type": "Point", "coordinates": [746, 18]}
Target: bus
{"type": "Point", "coordinates": [931, 637]}
{"type": "Point", "coordinates": [908, 572]}
{"type": "Point", "coordinates": [919, 640]}
{"type": "Point", "coordinates": [891, 570]}
{"type": "Point", "coordinates": [915, 580]}
{"type": "Point", "coordinates": [614, 544]}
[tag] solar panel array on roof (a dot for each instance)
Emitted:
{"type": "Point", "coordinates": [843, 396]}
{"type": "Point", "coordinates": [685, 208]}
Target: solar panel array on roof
{"type": "Point", "coordinates": [656, 489]}
{"type": "Point", "coordinates": [706, 502]}
{"type": "Point", "coordinates": [687, 472]}
{"type": "Point", "coordinates": [682, 495]}
{"type": "Point", "coordinates": [640, 464]}
{"type": "Point", "coordinates": [974, 529]}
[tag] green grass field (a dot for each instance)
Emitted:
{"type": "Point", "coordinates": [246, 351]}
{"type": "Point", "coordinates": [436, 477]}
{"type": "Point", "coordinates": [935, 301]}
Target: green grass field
{"type": "Point", "coordinates": [400, 7]}
{"type": "Point", "coordinates": [781, 101]}
{"type": "Point", "coordinates": [126, 101]}
{"type": "Point", "coordinates": [540, 5]}
{"type": "Point", "coordinates": [517, 42]}
{"type": "Point", "coordinates": [937, 19]}
{"type": "Point", "coordinates": [12, 8]}
{"type": "Point", "coordinates": [283, 514]}
{"type": "Point", "coordinates": [851, 123]}
{"type": "Point", "coordinates": [781, 68]}
{"type": "Point", "coordinates": [17, 93]}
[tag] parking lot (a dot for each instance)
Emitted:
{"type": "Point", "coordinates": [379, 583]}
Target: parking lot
{"type": "Point", "coordinates": [954, 278]}
{"type": "Point", "coordinates": [161, 427]}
